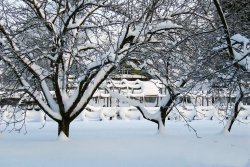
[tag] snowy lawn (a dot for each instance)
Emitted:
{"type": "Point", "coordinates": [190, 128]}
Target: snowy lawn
{"type": "Point", "coordinates": [127, 143]}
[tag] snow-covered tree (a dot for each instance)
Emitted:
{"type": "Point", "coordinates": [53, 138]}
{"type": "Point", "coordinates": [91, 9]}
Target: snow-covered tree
{"type": "Point", "coordinates": [230, 53]}
{"type": "Point", "coordinates": [232, 74]}
{"type": "Point", "coordinates": [60, 51]}
{"type": "Point", "coordinates": [176, 61]}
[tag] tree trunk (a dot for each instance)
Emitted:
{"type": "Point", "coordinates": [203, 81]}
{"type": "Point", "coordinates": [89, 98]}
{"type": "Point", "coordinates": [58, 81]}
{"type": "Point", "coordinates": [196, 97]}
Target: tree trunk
{"type": "Point", "coordinates": [63, 126]}
{"type": "Point", "coordinates": [163, 115]}
{"type": "Point", "coordinates": [233, 117]}
{"type": "Point", "coordinates": [236, 112]}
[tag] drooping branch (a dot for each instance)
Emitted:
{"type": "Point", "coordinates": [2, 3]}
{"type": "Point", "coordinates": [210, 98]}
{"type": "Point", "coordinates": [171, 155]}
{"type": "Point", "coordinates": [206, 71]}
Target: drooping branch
{"type": "Point", "coordinates": [32, 92]}
{"type": "Point", "coordinates": [156, 117]}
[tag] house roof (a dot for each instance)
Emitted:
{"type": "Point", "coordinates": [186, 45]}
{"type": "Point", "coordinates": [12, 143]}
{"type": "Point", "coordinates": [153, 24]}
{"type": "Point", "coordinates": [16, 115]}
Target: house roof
{"type": "Point", "coordinates": [149, 88]}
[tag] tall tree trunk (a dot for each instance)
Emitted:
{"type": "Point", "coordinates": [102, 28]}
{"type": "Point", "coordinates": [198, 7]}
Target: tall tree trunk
{"type": "Point", "coordinates": [63, 126]}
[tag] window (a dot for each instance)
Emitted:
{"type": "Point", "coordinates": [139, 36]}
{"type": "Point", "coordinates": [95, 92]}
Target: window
{"type": "Point", "coordinates": [150, 99]}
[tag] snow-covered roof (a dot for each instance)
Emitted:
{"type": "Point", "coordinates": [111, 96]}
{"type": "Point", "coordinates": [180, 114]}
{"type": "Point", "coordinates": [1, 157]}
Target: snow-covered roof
{"type": "Point", "coordinates": [149, 88]}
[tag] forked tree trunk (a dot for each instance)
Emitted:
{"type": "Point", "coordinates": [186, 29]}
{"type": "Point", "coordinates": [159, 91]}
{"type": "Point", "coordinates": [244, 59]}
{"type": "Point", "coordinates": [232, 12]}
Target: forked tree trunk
{"type": "Point", "coordinates": [164, 114]}
{"type": "Point", "coordinates": [165, 110]}
{"type": "Point", "coordinates": [63, 126]}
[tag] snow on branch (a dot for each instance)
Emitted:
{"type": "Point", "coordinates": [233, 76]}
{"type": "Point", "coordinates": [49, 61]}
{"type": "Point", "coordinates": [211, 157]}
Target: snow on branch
{"type": "Point", "coordinates": [158, 26]}
{"type": "Point", "coordinates": [50, 100]}
{"type": "Point", "coordinates": [241, 50]}
{"type": "Point", "coordinates": [37, 70]}
{"type": "Point", "coordinates": [77, 23]}
{"type": "Point", "coordinates": [85, 47]}
{"type": "Point", "coordinates": [108, 57]}
{"type": "Point", "coordinates": [99, 77]}
{"type": "Point", "coordinates": [37, 97]}
{"type": "Point", "coordinates": [143, 29]}
{"type": "Point", "coordinates": [36, 5]}
{"type": "Point", "coordinates": [242, 54]}
{"type": "Point", "coordinates": [136, 103]}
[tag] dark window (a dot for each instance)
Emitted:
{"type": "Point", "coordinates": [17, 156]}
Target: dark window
{"type": "Point", "coordinates": [150, 99]}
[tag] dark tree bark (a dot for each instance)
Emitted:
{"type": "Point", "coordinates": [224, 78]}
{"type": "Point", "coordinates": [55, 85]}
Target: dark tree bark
{"type": "Point", "coordinates": [63, 126]}
{"type": "Point", "coordinates": [224, 23]}
{"type": "Point", "coordinates": [227, 36]}
{"type": "Point", "coordinates": [236, 111]}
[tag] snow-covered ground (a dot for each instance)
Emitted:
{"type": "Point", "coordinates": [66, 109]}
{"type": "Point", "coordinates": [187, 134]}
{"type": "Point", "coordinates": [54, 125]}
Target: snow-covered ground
{"type": "Point", "coordinates": [127, 143]}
